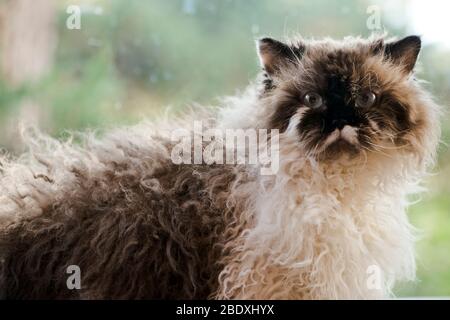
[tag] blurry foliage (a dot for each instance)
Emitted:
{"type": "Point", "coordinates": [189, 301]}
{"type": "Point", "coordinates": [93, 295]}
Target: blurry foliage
{"type": "Point", "coordinates": [132, 58]}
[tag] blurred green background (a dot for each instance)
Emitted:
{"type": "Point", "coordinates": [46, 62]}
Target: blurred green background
{"type": "Point", "coordinates": [132, 59]}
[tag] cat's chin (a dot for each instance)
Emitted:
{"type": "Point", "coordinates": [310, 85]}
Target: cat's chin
{"type": "Point", "coordinates": [339, 149]}
{"type": "Point", "coordinates": [340, 143]}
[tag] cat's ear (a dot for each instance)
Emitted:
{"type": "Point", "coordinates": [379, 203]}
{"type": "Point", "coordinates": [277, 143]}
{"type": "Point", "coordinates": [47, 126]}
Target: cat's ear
{"type": "Point", "coordinates": [274, 54]}
{"type": "Point", "coordinates": [404, 52]}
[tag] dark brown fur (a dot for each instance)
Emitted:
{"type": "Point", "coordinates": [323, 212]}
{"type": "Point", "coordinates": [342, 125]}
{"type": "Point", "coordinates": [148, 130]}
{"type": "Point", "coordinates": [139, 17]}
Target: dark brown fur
{"type": "Point", "coordinates": [130, 240]}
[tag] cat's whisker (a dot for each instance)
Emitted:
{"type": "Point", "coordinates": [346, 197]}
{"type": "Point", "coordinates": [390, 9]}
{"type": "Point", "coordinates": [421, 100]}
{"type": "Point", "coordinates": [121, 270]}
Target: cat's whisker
{"type": "Point", "coordinates": [377, 150]}
{"type": "Point", "coordinates": [387, 147]}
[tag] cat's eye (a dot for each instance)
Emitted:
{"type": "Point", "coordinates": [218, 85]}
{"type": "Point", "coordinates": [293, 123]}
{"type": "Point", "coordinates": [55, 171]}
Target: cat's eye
{"type": "Point", "coordinates": [365, 99]}
{"type": "Point", "coordinates": [312, 100]}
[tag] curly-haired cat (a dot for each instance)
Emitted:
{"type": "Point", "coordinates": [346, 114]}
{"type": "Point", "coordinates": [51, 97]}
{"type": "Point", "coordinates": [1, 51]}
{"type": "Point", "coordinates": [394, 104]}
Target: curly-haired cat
{"type": "Point", "coordinates": [356, 134]}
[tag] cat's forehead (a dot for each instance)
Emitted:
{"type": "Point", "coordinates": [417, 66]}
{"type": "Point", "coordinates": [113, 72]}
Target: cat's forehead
{"type": "Point", "coordinates": [337, 60]}
{"type": "Point", "coordinates": [327, 63]}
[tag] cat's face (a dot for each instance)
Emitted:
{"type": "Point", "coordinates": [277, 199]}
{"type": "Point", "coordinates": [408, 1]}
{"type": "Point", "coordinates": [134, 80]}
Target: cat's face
{"type": "Point", "coordinates": [345, 97]}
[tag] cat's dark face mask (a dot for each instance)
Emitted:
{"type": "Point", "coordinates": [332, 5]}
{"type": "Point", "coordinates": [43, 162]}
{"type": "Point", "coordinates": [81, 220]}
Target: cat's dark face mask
{"type": "Point", "coordinates": [341, 99]}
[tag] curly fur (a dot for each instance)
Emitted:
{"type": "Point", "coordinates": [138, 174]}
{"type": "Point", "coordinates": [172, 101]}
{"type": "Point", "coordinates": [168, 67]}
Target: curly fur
{"type": "Point", "coordinates": [141, 227]}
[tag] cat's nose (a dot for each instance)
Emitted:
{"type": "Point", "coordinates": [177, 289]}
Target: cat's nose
{"type": "Point", "coordinates": [339, 123]}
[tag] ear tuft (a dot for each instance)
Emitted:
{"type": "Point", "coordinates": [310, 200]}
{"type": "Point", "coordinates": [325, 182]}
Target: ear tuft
{"type": "Point", "coordinates": [404, 52]}
{"type": "Point", "coordinates": [273, 54]}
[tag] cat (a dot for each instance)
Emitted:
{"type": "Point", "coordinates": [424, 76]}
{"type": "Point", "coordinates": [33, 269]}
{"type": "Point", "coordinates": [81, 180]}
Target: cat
{"type": "Point", "coordinates": [356, 134]}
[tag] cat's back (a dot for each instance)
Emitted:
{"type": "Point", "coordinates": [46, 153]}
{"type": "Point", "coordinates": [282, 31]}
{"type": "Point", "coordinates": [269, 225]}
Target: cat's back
{"type": "Point", "coordinates": [136, 225]}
